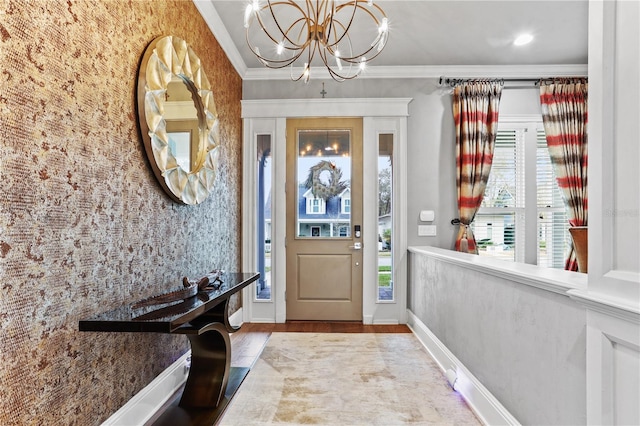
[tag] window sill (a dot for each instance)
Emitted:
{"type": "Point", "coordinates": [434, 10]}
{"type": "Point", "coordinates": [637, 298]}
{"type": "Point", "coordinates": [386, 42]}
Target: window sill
{"type": "Point", "coordinates": [553, 280]}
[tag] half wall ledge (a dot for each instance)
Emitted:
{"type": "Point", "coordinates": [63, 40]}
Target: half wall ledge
{"type": "Point", "coordinates": [553, 280]}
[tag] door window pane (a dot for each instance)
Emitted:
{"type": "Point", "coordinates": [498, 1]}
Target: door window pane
{"type": "Point", "coordinates": [324, 184]}
{"type": "Point", "coordinates": [385, 217]}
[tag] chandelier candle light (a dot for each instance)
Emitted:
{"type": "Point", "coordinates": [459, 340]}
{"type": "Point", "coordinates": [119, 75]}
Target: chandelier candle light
{"type": "Point", "coordinates": [345, 34]}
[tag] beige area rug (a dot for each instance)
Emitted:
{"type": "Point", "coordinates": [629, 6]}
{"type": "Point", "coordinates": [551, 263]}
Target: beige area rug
{"type": "Point", "coordinates": [346, 379]}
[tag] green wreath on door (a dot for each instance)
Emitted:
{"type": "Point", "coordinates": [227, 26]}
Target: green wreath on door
{"type": "Point", "coordinates": [323, 190]}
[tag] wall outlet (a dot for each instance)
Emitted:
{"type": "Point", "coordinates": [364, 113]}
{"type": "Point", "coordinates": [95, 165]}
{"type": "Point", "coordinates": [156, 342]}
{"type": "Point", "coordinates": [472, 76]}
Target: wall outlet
{"type": "Point", "coordinates": [426, 230]}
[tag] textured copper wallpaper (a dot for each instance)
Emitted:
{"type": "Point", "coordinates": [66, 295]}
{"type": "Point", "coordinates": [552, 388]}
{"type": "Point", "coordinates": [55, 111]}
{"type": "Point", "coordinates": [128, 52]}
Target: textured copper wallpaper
{"type": "Point", "coordinates": [84, 225]}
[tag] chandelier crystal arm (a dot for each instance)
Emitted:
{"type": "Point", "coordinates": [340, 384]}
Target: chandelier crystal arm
{"type": "Point", "coordinates": [353, 59]}
{"type": "Point", "coordinates": [274, 63]}
{"type": "Point", "coordinates": [353, 14]}
{"type": "Point", "coordinates": [379, 42]}
{"type": "Point", "coordinates": [270, 6]}
{"type": "Point", "coordinates": [277, 63]}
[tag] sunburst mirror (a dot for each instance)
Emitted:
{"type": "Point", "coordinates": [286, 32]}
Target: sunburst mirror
{"type": "Point", "coordinates": [178, 119]}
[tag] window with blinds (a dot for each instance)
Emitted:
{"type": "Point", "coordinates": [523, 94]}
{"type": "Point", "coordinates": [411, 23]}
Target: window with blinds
{"type": "Point", "coordinates": [522, 217]}
{"type": "Point", "coordinates": [495, 225]}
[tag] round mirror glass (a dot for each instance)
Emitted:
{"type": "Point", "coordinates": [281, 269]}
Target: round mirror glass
{"type": "Point", "coordinates": [178, 119]}
{"type": "Point", "coordinates": [183, 126]}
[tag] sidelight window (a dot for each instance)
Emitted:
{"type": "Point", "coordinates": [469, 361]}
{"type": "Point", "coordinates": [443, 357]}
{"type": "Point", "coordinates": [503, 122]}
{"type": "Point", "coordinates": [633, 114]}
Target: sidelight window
{"type": "Point", "coordinates": [263, 285]}
{"type": "Point", "coordinates": [385, 218]}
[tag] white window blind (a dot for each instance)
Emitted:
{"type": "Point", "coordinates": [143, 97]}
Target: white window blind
{"type": "Point", "coordinates": [553, 236]}
{"type": "Point", "coordinates": [502, 188]}
{"type": "Point", "coordinates": [522, 167]}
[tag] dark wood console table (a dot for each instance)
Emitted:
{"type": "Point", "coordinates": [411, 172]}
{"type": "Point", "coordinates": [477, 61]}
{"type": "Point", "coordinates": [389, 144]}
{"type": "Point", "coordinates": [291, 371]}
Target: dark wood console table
{"type": "Point", "coordinates": [204, 319]}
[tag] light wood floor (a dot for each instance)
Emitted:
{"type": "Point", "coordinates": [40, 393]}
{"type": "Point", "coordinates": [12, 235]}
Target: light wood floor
{"type": "Point", "coordinates": [247, 343]}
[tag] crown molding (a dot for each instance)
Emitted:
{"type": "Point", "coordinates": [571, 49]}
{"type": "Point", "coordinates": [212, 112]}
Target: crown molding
{"type": "Point", "coordinates": [432, 71]}
{"type": "Point", "coordinates": [219, 30]}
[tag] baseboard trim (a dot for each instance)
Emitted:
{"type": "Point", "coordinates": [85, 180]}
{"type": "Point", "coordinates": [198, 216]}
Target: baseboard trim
{"type": "Point", "coordinates": [486, 407]}
{"type": "Point", "coordinates": [145, 404]}
{"type": "Point", "coordinates": [386, 322]}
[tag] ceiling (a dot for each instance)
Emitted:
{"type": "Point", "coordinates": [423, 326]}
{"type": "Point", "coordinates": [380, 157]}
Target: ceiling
{"type": "Point", "coordinates": [460, 38]}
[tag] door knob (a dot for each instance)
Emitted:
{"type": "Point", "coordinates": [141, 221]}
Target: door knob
{"type": "Point", "coordinates": [356, 246]}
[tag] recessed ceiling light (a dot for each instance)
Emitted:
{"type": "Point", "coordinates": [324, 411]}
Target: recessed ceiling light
{"type": "Point", "coordinates": [523, 39]}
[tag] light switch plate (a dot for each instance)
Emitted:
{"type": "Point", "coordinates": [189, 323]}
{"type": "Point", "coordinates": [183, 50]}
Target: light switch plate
{"type": "Point", "coordinates": [426, 230]}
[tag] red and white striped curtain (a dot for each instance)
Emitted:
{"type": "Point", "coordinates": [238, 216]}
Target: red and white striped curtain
{"type": "Point", "coordinates": [564, 113]}
{"type": "Point", "coordinates": [475, 112]}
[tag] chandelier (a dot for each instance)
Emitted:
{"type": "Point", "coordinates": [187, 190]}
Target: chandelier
{"type": "Point", "coordinates": [345, 35]}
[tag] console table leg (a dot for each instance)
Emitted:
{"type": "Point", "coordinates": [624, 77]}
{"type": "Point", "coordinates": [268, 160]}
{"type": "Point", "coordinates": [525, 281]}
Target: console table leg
{"type": "Point", "coordinates": [210, 366]}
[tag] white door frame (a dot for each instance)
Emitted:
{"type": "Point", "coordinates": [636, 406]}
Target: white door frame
{"type": "Point", "coordinates": [379, 116]}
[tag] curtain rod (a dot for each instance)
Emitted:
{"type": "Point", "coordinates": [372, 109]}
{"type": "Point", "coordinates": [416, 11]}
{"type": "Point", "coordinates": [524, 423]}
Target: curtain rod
{"type": "Point", "coordinates": [536, 81]}
{"type": "Point", "coordinates": [453, 81]}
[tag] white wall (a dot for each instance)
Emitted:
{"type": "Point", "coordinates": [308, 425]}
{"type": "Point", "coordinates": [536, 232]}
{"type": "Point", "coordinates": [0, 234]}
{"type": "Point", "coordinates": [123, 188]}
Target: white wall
{"type": "Point", "coordinates": [627, 137]}
{"type": "Point", "coordinates": [613, 294]}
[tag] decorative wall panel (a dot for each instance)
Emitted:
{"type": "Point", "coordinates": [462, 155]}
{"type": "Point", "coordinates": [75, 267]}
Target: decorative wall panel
{"type": "Point", "coordinates": [84, 225]}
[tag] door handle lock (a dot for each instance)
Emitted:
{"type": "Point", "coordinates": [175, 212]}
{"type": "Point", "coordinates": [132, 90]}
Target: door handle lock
{"type": "Point", "coordinates": [356, 246]}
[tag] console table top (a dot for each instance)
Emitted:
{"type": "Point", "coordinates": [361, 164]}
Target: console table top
{"type": "Point", "coordinates": [168, 318]}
